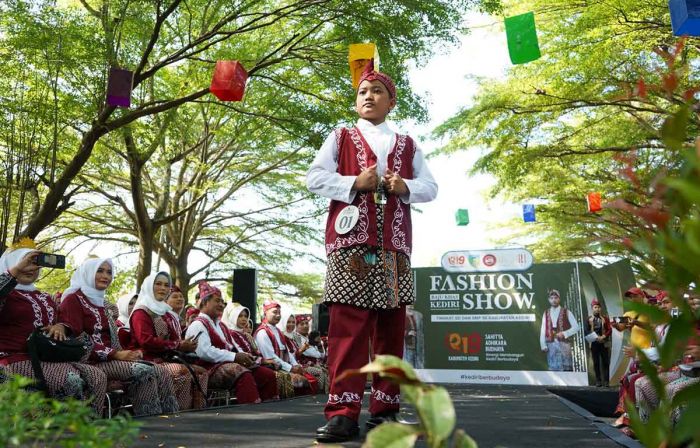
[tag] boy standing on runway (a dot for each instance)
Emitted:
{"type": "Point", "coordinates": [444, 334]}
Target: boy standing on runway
{"type": "Point", "coordinates": [372, 175]}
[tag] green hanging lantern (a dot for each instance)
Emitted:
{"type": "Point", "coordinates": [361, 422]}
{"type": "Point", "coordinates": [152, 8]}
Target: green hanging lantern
{"type": "Point", "coordinates": [522, 38]}
{"type": "Point", "coordinates": [462, 217]}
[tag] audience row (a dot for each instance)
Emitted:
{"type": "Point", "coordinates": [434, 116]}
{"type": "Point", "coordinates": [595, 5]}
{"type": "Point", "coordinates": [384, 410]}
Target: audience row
{"type": "Point", "coordinates": [164, 362]}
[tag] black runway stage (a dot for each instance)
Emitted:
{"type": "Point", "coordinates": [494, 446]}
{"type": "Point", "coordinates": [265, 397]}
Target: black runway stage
{"type": "Point", "coordinates": [503, 416]}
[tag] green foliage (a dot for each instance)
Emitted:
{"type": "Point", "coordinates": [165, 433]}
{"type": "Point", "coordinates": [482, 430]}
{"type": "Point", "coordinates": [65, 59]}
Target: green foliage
{"type": "Point", "coordinates": [436, 413]}
{"type": "Point", "coordinates": [670, 226]}
{"type": "Point", "coordinates": [56, 56]}
{"type": "Point", "coordinates": [550, 131]}
{"type": "Point", "coordinates": [180, 172]}
{"type": "Point", "coordinates": [31, 419]}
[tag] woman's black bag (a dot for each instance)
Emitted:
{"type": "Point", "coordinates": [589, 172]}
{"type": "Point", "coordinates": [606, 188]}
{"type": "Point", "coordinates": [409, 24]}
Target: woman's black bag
{"type": "Point", "coordinates": [43, 348]}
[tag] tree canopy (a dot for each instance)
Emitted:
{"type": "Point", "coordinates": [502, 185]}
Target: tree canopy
{"type": "Point", "coordinates": [171, 171]}
{"type": "Point", "coordinates": [565, 125]}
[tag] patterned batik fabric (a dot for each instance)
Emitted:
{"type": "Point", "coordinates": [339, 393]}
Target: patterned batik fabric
{"type": "Point", "coordinates": [369, 278]}
{"type": "Point", "coordinates": [559, 356]}
{"type": "Point", "coordinates": [645, 394]}
{"type": "Point", "coordinates": [149, 387]}
{"type": "Point", "coordinates": [186, 391]}
{"type": "Point", "coordinates": [67, 379]}
{"type": "Point", "coordinates": [225, 375]}
{"type": "Point", "coordinates": [673, 388]}
{"type": "Point", "coordinates": [321, 375]}
{"type": "Point", "coordinates": [285, 388]}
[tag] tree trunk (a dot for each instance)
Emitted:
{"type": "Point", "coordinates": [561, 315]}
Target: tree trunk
{"type": "Point", "coordinates": [182, 276]}
{"type": "Point", "coordinates": [144, 267]}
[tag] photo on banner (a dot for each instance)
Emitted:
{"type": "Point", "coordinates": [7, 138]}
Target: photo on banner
{"type": "Point", "coordinates": [492, 327]}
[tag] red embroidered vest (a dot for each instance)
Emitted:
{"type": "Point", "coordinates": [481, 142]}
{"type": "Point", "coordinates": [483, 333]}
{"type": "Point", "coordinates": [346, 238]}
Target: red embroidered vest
{"type": "Point", "coordinates": [242, 341]}
{"type": "Point", "coordinates": [267, 328]}
{"type": "Point", "coordinates": [354, 155]}
{"type": "Point", "coordinates": [216, 341]}
{"type": "Point", "coordinates": [563, 324]}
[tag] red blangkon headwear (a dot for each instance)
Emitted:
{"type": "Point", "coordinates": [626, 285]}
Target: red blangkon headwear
{"type": "Point", "coordinates": [206, 290]}
{"type": "Point", "coordinates": [192, 311]}
{"type": "Point", "coordinates": [370, 75]}
{"type": "Point", "coordinates": [302, 318]}
{"type": "Point", "coordinates": [595, 302]}
{"type": "Point", "coordinates": [268, 305]}
{"type": "Point", "coordinates": [175, 288]}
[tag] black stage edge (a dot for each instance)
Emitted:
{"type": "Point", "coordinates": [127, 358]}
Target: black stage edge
{"type": "Point", "coordinates": [503, 416]}
{"type": "Point", "coordinates": [599, 401]}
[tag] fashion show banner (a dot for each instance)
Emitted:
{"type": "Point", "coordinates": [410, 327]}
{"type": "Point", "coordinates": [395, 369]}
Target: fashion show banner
{"type": "Point", "coordinates": [508, 327]}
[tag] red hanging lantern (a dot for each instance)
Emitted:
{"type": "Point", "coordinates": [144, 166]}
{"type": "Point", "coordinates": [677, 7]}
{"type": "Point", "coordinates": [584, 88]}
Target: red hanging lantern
{"type": "Point", "coordinates": [228, 82]}
{"type": "Point", "coordinates": [119, 84]}
{"type": "Point", "coordinates": [594, 202]}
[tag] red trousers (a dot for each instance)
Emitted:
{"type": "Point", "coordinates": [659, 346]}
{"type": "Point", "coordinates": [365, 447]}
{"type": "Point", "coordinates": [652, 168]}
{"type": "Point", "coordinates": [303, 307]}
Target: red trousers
{"type": "Point", "coordinates": [350, 333]}
{"type": "Point", "coordinates": [252, 386]}
{"type": "Point", "coordinates": [266, 379]}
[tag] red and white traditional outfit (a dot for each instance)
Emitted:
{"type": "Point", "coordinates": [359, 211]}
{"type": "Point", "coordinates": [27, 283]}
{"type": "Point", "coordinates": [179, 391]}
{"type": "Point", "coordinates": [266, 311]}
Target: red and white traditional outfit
{"type": "Point", "coordinates": [245, 343]}
{"type": "Point", "coordinates": [312, 355]}
{"type": "Point", "coordinates": [318, 372]}
{"type": "Point", "coordinates": [558, 320]}
{"type": "Point", "coordinates": [217, 353]}
{"type": "Point", "coordinates": [368, 279]}
{"type": "Point", "coordinates": [272, 345]}
{"type": "Point", "coordinates": [82, 310]}
{"type": "Point", "coordinates": [155, 330]}
{"type": "Point", "coordinates": [23, 309]}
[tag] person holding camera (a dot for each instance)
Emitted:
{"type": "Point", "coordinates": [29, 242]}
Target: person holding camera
{"type": "Point", "coordinates": [640, 339]}
{"type": "Point", "coordinates": [155, 330]}
{"type": "Point", "coordinates": [23, 309]}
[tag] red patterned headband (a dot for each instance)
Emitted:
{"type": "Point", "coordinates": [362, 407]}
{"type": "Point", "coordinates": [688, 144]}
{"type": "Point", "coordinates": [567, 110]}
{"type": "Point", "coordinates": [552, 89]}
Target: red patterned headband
{"type": "Point", "coordinates": [370, 75]}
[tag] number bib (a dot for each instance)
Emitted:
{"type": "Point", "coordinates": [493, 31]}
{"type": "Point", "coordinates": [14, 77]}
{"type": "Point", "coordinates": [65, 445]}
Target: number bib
{"type": "Point", "coordinates": [346, 219]}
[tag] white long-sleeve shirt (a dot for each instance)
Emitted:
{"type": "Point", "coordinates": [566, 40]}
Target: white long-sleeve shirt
{"type": "Point", "coordinates": [268, 351]}
{"type": "Point", "coordinates": [324, 180]}
{"type": "Point", "coordinates": [554, 316]}
{"type": "Point", "coordinates": [205, 350]}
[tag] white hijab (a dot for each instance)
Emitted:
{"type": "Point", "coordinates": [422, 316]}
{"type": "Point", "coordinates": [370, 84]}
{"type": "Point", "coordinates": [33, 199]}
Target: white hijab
{"type": "Point", "coordinates": [83, 279]}
{"type": "Point", "coordinates": [282, 324]}
{"type": "Point", "coordinates": [10, 259]}
{"type": "Point", "coordinates": [123, 306]}
{"type": "Point", "coordinates": [231, 313]}
{"type": "Point", "coordinates": [147, 298]}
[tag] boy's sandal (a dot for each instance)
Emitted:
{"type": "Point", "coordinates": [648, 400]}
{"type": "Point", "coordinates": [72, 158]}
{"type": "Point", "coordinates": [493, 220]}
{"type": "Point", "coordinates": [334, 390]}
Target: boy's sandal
{"type": "Point", "coordinates": [621, 422]}
{"type": "Point", "coordinates": [628, 432]}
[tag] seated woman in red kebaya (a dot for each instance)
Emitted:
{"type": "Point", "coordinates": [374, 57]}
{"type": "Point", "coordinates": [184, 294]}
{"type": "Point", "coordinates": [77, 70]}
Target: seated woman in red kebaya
{"type": "Point", "coordinates": [155, 330]}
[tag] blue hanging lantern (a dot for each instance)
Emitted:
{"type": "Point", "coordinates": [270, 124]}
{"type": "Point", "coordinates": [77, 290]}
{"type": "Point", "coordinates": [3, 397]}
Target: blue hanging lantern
{"type": "Point", "coordinates": [529, 213]}
{"type": "Point", "coordinates": [685, 17]}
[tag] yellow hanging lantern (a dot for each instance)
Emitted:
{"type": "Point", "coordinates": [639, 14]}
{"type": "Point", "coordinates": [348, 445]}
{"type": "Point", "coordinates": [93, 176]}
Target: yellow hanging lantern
{"type": "Point", "coordinates": [358, 57]}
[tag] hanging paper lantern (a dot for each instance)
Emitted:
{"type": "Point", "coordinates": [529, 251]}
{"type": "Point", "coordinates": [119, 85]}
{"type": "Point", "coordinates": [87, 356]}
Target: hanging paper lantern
{"type": "Point", "coordinates": [522, 38]}
{"type": "Point", "coordinates": [594, 204]}
{"type": "Point", "coordinates": [685, 17]}
{"type": "Point", "coordinates": [529, 212]}
{"type": "Point", "coordinates": [228, 82]}
{"type": "Point", "coordinates": [119, 84]}
{"type": "Point", "coordinates": [462, 217]}
{"type": "Point", "coordinates": [359, 56]}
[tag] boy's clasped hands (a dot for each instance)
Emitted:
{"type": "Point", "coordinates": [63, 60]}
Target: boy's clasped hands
{"type": "Point", "coordinates": [368, 180]}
